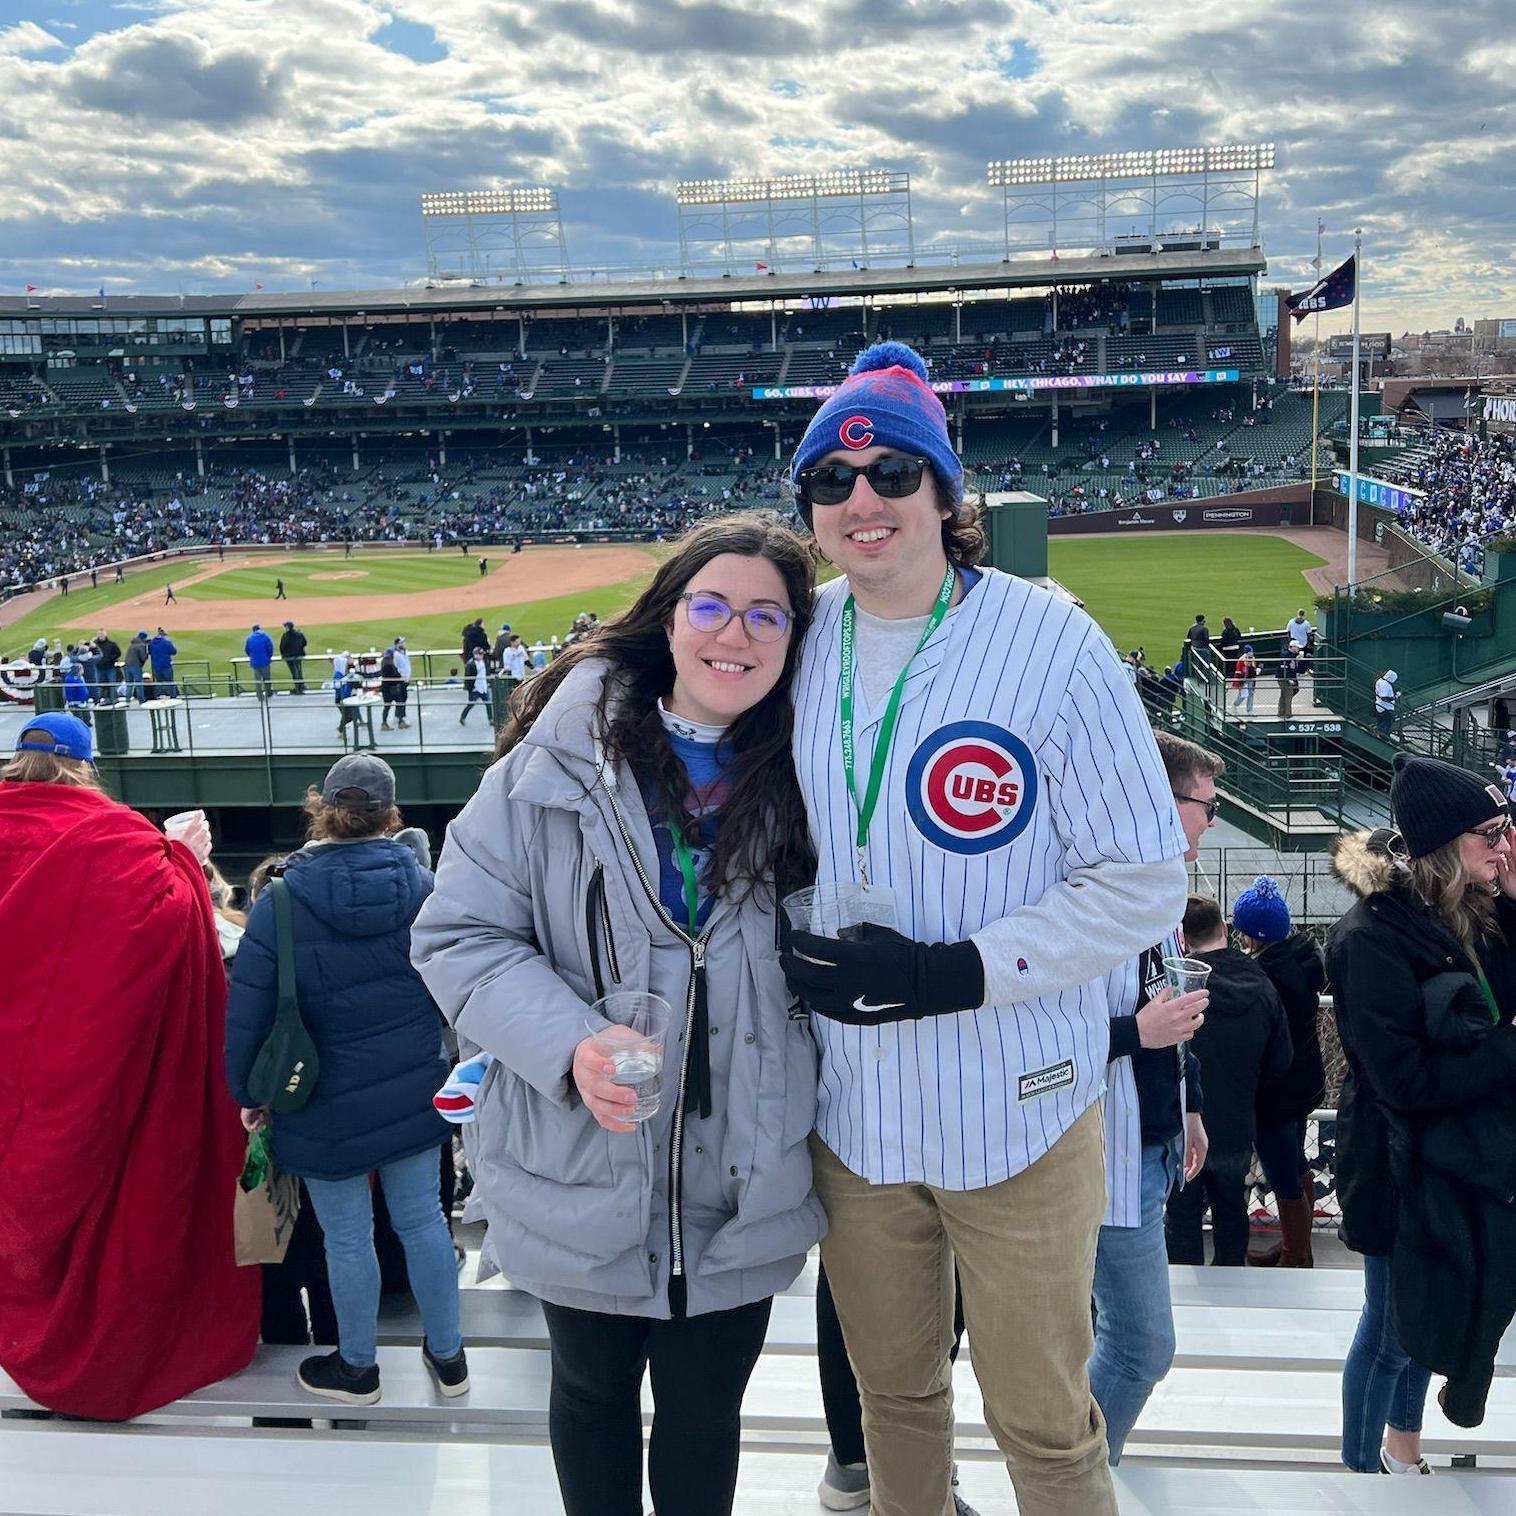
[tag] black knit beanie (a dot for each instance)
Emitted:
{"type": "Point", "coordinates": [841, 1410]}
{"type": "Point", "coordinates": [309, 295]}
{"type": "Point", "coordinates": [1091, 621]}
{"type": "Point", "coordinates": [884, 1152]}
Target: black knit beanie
{"type": "Point", "coordinates": [1434, 802]}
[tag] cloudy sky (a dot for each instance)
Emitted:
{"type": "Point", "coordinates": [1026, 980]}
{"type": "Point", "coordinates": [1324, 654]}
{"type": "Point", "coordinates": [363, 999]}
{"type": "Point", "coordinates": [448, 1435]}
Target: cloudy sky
{"type": "Point", "coordinates": [162, 144]}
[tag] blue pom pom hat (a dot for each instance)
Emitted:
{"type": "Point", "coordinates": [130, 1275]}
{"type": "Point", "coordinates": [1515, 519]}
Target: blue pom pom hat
{"type": "Point", "coordinates": [1262, 913]}
{"type": "Point", "coordinates": [886, 401]}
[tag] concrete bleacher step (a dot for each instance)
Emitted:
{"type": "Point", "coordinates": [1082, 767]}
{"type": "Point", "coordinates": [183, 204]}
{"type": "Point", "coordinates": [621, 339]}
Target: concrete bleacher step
{"type": "Point", "coordinates": [1236, 1409]}
{"type": "Point", "coordinates": [159, 1474]}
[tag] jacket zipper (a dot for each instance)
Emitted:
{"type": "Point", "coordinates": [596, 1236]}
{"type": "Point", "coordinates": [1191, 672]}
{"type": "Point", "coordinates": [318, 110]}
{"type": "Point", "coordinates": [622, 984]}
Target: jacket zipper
{"type": "Point", "coordinates": [594, 896]}
{"type": "Point", "coordinates": [696, 946]}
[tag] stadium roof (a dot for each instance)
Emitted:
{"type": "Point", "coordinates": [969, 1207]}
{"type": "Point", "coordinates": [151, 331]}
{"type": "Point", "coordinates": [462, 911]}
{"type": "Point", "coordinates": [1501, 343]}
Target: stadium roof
{"type": "Point", "coordinates": [674, 290]}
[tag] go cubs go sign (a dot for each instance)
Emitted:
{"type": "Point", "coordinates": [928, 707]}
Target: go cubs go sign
{"type": "Point", "coordinates": [971, 787]}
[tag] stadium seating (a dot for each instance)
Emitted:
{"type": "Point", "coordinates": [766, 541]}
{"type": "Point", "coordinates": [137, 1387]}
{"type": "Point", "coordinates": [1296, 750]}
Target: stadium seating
{"type": "Point", "coordinates": [1231, 305]}
{"type": "Point", "coordinates": [1179, 307]}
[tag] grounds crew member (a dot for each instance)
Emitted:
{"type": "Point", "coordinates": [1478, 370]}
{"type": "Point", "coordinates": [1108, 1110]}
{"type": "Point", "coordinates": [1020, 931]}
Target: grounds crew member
{"type": "Point", "coordinates": [292, 650]}
{"type": "Point", "coordinates": [969, 743]}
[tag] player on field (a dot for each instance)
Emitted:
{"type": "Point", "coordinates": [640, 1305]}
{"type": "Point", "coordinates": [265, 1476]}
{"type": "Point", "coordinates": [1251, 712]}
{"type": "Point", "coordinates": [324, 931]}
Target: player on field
{"type": "Point", "coordinates": [968, 745]}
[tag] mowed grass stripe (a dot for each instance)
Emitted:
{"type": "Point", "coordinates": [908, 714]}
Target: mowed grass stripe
{"type": "Point", "coordinates": [374, 574]}
{"type": "Point", "coordinates": [1146, 591]}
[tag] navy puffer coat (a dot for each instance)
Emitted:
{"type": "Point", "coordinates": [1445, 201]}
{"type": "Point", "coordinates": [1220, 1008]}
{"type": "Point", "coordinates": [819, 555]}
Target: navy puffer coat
{"type": "Point", "coordinates": [376, 1028]}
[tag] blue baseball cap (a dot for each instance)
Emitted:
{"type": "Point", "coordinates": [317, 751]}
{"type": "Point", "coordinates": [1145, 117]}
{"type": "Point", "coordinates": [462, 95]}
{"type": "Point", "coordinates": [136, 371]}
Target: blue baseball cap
{"type": "Point", "coordinates": [57, 732]}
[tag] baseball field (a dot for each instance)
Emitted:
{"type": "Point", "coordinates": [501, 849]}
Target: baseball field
{"type": "Point", "coordinates": [1143, 592]}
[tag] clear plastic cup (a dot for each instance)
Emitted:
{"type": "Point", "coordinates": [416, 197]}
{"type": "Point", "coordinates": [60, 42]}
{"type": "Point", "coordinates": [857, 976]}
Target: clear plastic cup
{"type": "Point", "coordinates": [634, 1043]}
{"type": "Point", "coordinates": [1186, 974]}
{"type": "Point", "coordinates": [839, 908]}
{"type": "Point", "coordinates": [193, 830]}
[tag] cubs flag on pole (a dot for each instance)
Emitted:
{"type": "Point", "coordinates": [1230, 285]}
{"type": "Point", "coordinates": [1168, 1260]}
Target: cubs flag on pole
{"type": "Point", "coordinates": [1328, 294]}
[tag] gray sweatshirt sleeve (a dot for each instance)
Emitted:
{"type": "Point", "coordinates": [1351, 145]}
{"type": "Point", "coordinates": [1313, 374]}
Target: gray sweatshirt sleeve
{"type": "Point", "coordinates": [1081, 929]}
{"type": "Point", "coordinates": [474, 946]}
{"type": "Point", "coordinates": [1115, 815]}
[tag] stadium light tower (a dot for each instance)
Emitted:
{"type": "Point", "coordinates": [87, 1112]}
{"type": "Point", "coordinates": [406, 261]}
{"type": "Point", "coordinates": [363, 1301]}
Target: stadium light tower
{"type": "Point", "coordinates": [1174, 198]}
{"type": "Point", "coordinates": [496, 233]}
{"type": "Point", "coordinates": [748, 225]}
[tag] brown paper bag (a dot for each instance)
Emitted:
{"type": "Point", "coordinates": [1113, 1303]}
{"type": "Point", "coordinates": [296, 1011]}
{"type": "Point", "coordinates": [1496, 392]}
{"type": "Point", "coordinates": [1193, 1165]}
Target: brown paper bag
{"type": "Point", "coordinates": [265, 1217]}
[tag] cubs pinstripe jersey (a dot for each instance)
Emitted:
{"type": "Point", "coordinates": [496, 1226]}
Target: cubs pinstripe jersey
{"type": "Point", "coordinates": [1021, 753]}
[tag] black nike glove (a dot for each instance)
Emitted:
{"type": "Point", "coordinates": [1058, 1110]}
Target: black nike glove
{"type": "Point", "coordinates": [878, 975]}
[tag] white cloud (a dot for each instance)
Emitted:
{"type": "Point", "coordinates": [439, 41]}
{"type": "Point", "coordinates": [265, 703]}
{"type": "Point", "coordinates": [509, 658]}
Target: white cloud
{"type": "Point", "coordinates": [214, 143]}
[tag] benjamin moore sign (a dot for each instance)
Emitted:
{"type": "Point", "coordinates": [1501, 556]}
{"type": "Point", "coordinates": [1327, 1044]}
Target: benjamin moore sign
{"type": "Point", "coordinates": [1027, 382]}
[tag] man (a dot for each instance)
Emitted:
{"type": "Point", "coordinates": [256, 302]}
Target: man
{"type": "Point", "coordinates": [402, 661]}
{"type": "Point", "coordinates": [475, 638]}
{"type": "Point", "coordinates": [94, 579]}
{"type": "Point", "coordinates": [279, 590]}
{"type": "Point", "coordinates": [1299, 630]}
{"type": "Point", "coordinates": [1289, 679]}
{"type": "Point", "coordinates": [996, 781]}
{"type": "Point", "coordinates": [107, 656]}
{"type": "Point", "coordinates": [502, 641]}
{"type": "Point", "coordinates": [513, 660]}
{"type": "Point", "coordinates": [292, 651]}
{"type": "Point", "coordinates": [136, 660]}
{"type": "Point", "coordinates": [1199, 635]}
{"type": "Point", "coordinates": [259, 648]}
{"type": "Point", "coordinates": [1385, 698]}
{"type": "Point", "coordinates": [63, 585]}
{"type": "Point", "coordinates": [161, 653]}
{"type": "Point", "coordinates": [484, 565]}
{"type": "Point", "coordinates": [1242, 1043]}
{"type": "Point", "coordinates": [169, 597]}
{"type": "Point", "coordinates": [1154, 1133]}
{"type": "Point", "coordinates": [476, 675]}
{"type": "Point", "coordinates": [120, 575]}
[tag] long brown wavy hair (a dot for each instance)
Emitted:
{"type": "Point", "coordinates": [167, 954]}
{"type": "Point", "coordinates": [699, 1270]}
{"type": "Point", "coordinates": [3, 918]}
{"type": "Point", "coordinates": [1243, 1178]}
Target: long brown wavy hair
{"type": "Point", "coordinates": [763, 836]}
{"type": "Point", "coordinates": [1442, 884]}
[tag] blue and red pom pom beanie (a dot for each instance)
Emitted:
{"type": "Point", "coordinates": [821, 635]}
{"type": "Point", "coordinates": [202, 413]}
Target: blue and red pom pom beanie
{"type": "Point", "coordinates": [886, 401]}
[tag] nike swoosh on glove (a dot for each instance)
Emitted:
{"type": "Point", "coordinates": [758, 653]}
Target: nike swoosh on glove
{"type": "Point", "coordinates": [878, 975]}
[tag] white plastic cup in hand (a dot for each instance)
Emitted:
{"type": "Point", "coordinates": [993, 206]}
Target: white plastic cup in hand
{"type": "Point", "coordinates": [634, 1044]}
{"type": "Point", "coordinates": [193, 830]}
{"type": "Point", "coordinates": [839, 908]}
{"type": "Point", "coordinates": [1186, 974]}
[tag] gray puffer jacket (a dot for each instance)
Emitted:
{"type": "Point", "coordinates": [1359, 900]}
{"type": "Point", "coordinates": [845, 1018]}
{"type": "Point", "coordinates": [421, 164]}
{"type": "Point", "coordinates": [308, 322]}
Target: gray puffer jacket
{"type": "Point", "coordinates": [545, 899]}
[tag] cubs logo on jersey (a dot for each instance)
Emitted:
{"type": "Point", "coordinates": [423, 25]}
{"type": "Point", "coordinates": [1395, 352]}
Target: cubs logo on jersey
{"type": "Point", "coordinates": [971, 787]}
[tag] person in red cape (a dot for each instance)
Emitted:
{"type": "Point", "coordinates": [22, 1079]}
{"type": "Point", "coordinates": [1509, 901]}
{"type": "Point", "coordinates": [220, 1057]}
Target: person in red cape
{"type": "Point", "coordinates": [119, 1146]}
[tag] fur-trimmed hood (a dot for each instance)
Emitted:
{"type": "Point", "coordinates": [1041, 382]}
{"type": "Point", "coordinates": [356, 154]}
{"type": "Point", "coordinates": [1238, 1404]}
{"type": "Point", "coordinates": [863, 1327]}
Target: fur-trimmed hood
{"type": "Point", "coordinates": [1363, 862]}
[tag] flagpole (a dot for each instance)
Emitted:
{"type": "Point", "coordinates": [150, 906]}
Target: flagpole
{"type": "Point", "coordinates": [1353, 424]}
{"type": "Point", "coordinates": [1316, 378]}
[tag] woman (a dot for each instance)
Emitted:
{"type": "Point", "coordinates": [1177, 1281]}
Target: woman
{"type": "Point", "coordinates": [1291, 959]}
{"type": "Point", "coordinates": [1424, 980]}
{"type": "Point", "coordinates": [119, 1150]}
{"type": "Point", "coordinates": [354, 891]}
{"type": "Point", "coordinates": [637, 833]}
{"type": "Point", "coordinates": [1229, 644]}
{"type": "Point", "coordinates": [1245, 678]}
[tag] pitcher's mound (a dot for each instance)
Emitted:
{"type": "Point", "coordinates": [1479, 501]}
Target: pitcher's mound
{"type": "Point", "coordinates": [345, 574]}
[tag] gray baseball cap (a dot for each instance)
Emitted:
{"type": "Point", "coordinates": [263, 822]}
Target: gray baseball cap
{"type": "Point", "coordinates": [359, 782]}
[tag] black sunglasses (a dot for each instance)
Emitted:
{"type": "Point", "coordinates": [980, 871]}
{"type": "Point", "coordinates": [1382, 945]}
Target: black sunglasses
{"type": "Point", "coordinates": [1211, 806]}
{"type": "Point", "coordinates": [1493, 835]}
{"type": "Point", "coordinates": [891, 478]}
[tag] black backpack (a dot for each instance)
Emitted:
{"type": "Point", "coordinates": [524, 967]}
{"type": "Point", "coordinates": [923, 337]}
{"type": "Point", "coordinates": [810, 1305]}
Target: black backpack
{"type": "Point", "coordinates": [284, 1072]}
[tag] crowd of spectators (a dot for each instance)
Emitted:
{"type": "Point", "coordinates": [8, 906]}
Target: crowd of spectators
{"type": "Point", "coordinates": [1468, 493]}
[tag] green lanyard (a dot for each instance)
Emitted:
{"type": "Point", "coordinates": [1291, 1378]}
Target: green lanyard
{"type": "Point", "coordinates": [1489, 994]}
{"type": "Point", "coordinates": [684, 856]}
{"type": "Point", "coordinates": [865, 807]}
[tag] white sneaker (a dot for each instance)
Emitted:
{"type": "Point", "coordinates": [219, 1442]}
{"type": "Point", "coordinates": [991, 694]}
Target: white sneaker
{"type": "Point", "coordinates": [1421, 1466]}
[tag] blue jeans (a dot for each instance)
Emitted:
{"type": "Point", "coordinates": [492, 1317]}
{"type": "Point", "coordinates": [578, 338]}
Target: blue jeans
{"type": "Point", "coordinates": [135, 689]}
{"type": "Point", "coordinates": [1380, 1385]}
{"type": "Point", "coordinates": [1134, 1320]}
{"type": "Point", "coordinates": [345, 1209]}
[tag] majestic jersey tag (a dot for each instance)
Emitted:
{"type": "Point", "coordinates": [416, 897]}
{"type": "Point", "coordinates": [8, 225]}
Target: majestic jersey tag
{"type": "Point", "coordinates": [1057, 1076]}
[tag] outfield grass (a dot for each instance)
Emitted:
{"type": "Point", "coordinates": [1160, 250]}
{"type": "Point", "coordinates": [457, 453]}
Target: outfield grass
{"type": "Point", "coordinates": [533, 619]}
{"type": "Point", "coordinates": [1145, 591]}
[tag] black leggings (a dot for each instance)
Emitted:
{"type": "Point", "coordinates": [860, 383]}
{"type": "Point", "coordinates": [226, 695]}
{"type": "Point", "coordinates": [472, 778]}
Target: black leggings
{"type": "Point", "coordinates": [839, 1385]}
{"type": "Point", "coordinates": [700, 1367]}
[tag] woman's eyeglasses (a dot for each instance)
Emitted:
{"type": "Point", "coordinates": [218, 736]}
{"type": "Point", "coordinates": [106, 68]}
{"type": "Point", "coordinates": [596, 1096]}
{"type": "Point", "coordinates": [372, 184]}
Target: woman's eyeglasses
{"type": "Point", "coordinates": [890, 478]}
{"type": "Point", "coordinates": [710, 613]}
{"type": "Point", "coordinates": [1493, 835]}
